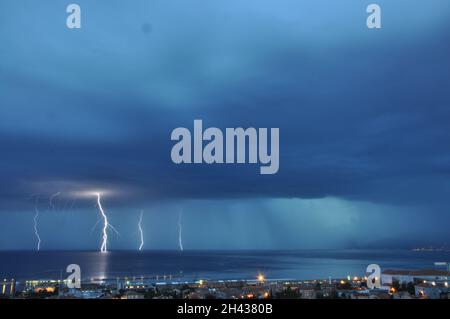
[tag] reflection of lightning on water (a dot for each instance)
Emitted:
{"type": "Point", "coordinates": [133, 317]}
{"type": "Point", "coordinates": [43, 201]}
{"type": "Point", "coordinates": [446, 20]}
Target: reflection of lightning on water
{"type": "Point", "coordinates": [36, 232]}
{"type": "Point", "coordinates": [140, 230]}
{"type": "Point", "coordinates": [180, 241]}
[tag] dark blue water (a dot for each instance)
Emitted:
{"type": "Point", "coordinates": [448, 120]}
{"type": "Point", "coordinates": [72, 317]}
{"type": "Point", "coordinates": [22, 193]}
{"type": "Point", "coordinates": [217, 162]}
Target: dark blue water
{"type": "Point", "coordinates": [304, 264]}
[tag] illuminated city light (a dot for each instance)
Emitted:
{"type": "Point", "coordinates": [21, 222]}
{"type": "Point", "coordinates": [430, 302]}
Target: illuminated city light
{"type": "Point", "coordinates": [261, 278]}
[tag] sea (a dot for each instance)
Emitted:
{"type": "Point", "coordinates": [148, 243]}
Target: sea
{"type": "Point", "coordinates": [212, 265]}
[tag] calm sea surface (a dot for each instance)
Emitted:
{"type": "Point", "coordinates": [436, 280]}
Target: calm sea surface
{"type": "Point", "coordinates": [302, 264]}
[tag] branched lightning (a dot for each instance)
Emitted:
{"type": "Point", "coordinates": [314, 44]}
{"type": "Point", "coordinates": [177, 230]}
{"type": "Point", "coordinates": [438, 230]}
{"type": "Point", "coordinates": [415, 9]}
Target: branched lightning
{"type": "Point", "coordinates": [36, 232]}
{"type": "Point", "coordinates": [180, 241]}
{"type": "Point", "coordinates": [140, 230]}
{"type": "Point", "coordinates": [103, 247]}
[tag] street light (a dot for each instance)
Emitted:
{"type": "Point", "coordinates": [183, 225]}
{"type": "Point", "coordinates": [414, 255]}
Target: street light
{"type": "Point", "coordinates": [261, 278]}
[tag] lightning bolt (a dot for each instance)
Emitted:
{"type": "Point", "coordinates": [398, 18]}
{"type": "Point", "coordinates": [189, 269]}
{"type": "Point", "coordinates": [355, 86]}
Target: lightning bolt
{"type": "Point", "coordinates": [140, 230]}
{"type": "Point", "coordinates": [180, 241]}
{"type": "Point", "coordinates": [51, 199]}
{"type": "Point", "coordinates": [103, 247]}
{"type": "Point", "coordinates": [36, 232]}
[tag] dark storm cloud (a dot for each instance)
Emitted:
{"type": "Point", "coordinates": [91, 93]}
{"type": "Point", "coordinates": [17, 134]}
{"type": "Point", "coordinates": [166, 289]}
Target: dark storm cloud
{"type": "Point", "coordinates": [362, 115]}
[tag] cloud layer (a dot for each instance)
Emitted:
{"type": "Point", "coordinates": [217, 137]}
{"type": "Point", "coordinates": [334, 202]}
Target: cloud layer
{"type": "Point", "coordinates": [363, 114]}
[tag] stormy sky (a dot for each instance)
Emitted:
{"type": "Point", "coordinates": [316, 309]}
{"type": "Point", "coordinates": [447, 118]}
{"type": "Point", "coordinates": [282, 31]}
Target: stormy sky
{"type": "Point", "coordinates": [363, 116]}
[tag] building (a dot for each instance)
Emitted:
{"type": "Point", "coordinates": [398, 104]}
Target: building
{"type": "Point", "coordinates": [432, 290]}
{"type": "Point", "coordinates": [390, 276]}
{"type": "Point", "coordinates": [130, 294]}
{"type": "Point", "coordinates": [402, 295]}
